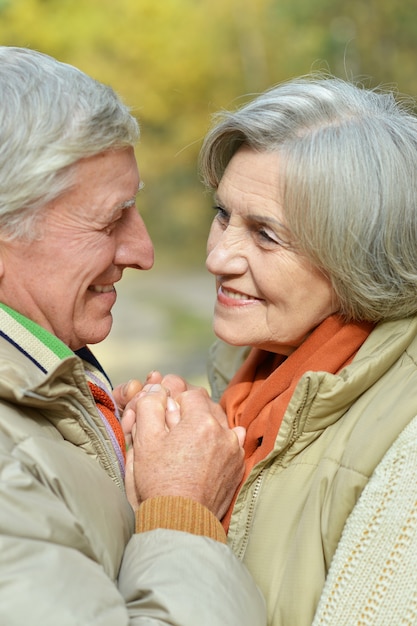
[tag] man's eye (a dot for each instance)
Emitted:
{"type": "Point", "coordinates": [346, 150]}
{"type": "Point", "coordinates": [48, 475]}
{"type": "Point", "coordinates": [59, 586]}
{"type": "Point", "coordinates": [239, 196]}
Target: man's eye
{"type": "Point", "coordinates": [107, 230]}
{"type": "Point", "coordinates": [110, 227]}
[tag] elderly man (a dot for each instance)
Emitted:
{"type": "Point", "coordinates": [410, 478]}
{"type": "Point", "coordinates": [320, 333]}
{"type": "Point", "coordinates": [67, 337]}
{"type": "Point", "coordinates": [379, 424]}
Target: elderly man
{"type": "Point", "coordinates": [71, 549]}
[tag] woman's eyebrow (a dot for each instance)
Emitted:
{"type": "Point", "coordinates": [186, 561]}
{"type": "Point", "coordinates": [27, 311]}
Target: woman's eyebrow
{"type": "Point", "coordinates": [253, 217]}
{"type": "Point", "coordinates": [217, 200]}
{"type": "Point", "coordinates": [265, 219]}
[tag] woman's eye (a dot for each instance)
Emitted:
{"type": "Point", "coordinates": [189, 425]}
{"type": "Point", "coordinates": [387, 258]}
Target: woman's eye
{"type": "Point", "coordinates": [221, 215]}
{"type": "Point", "coordinates": [268, 236]}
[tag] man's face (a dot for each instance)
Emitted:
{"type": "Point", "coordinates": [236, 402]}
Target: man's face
{"type": "Point", "coordinates": [65, 279]}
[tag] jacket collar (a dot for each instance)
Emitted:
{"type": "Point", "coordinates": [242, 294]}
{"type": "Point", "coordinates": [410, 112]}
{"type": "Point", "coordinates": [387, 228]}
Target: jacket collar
{"type": "Point", "coordinates": [46, 350]}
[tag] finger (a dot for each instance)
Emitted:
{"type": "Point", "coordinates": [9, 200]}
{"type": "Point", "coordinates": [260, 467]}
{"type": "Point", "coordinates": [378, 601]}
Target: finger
{"type": "Point", "coordinates": [127, 421]}
{"type": "Point", "coordinates": [125, 392]}
{"type": "Point", "coordinates": [240, 432]}
{"type": "Point", "coordinates": [148, 387]}
{"type": "Point", "coordinates": [150, 414]}
{"type": "Point", "coordinates": [154, 377]}
{"type": "Point", "coordinates": [153, 387]}
{"type": "Point", "coordinates": [175, 384]}
{"type": "Point", "coordinates": [195, 405]}
{"type": "Point", "coordinates": [173, 415]}
{"type": "Point", "coordinates": [219, 414]}
{"type": "Point", "coordinates": [214, 408]}
{"type": "Point", "coordinates": [192, 397]}
{"type": "Point", "coordinates": [130, 481]}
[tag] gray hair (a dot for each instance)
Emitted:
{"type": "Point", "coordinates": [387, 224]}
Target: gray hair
{"type": "Point", "coordinates": [349, 174]}
{"type": "Point", "coordinates": [51, 116]}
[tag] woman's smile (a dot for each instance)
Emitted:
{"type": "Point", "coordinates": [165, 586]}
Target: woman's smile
{"type": "Point", "coordinates": [226, 294]}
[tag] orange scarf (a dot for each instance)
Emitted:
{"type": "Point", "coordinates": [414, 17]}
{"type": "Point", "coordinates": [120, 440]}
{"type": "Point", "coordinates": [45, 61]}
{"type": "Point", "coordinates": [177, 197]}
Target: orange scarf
{"type": "Point", "coordinates": [106, 406]}
{"type": "Point", "coordinates": [260, 391]}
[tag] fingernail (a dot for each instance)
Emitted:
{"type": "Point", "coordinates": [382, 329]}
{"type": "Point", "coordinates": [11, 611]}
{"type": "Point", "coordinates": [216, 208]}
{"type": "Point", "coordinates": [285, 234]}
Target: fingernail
{"type": "Point", "coordinates": [154, 387]}
{"type": "Point", "coordinates": [172, 405]}
{"type": "Point", "coordinates": [126, 387]}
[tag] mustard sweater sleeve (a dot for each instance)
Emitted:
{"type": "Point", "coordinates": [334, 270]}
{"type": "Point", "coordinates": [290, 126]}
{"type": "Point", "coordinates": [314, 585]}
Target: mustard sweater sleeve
{"type": "Point", "coordinates": [178, 513]}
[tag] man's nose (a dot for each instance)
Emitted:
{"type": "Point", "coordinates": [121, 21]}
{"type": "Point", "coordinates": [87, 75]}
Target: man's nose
{"type": "Point", "coordinates": [134, 245]}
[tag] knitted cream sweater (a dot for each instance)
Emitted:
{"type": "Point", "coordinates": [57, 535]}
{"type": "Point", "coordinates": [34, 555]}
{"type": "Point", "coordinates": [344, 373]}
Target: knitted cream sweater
{"type": "Point", "coordinates": [373, 575]}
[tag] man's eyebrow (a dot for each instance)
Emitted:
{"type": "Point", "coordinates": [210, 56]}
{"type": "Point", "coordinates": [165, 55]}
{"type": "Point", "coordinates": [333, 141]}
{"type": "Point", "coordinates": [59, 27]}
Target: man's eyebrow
{"type": "Point", "coordinates": [127, 204]}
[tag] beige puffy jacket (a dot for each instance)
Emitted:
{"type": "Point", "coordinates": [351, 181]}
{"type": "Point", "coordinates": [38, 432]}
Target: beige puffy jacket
{"type": "Point", "coordinates": [68, 552]}
{"type": "Point", "coordinates": [373, 575]}
{"type": "Point", "coordinates": [290, 513]}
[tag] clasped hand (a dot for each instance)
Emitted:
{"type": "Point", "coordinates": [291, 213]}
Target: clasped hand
{"type": "Point", "coordinates": [179, 443]}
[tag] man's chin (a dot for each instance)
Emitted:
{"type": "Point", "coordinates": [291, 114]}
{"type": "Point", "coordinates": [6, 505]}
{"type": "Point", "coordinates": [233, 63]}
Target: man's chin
{"type": "Point", "coordinates": [97, 333]}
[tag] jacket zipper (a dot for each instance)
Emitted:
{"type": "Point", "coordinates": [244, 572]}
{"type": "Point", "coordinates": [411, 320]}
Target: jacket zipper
{"type": "Point", "coordinates": [252, 505]}
{"type": "Point", "coordinates": [240, 553]}
{"type": "Point", "coordinates": [114, 465]}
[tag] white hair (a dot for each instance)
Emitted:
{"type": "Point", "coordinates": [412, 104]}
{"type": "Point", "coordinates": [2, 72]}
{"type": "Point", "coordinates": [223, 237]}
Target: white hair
{"type": "Point", "coordinates": [51, 116]}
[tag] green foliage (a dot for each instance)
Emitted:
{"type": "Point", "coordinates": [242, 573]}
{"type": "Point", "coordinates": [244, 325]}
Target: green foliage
{"type": "Point", "coordinates": [176, 62]}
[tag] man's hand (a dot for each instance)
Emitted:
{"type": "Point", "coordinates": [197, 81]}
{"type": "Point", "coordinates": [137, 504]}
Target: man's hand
{"type": "Point", "coordinates": [194, 455]}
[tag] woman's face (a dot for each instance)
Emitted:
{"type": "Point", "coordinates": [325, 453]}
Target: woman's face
{"type": "Point", "coordinates": [268, 296]}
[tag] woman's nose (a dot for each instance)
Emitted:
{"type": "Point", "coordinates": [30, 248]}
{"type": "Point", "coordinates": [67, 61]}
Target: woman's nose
{"type": "Point", "coordinates": [226, 251]}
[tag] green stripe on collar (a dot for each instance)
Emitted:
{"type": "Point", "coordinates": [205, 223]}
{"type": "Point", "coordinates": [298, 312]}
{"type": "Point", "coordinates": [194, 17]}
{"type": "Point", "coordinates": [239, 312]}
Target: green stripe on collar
{"type": "Point", "coordinates": [49, 340]}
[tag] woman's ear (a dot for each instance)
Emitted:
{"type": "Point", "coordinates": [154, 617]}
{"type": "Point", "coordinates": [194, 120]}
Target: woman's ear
{"type": "Point", "coordinates": [1, 259]}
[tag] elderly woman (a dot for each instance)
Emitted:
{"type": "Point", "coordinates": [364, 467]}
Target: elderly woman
{"type": "Point", "coordinates": [314, 251]}
{"type": "Point", "coordinates": [71, 551]}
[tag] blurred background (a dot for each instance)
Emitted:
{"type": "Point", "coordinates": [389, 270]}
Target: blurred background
{"type": "Point", "coordinates": [175, 63]}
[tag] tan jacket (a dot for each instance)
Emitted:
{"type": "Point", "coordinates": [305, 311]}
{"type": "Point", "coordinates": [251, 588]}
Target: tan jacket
{"type": "Point", "coordinates": [68, 552]}
{"type": "Point", "coordinates": [373, 575]}
{"type": "Point", "coordinates": [290, 513]}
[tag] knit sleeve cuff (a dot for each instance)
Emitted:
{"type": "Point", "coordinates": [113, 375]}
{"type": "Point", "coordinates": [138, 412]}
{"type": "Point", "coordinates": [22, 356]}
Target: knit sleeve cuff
{"type": "Point", "coordinates": [178, 513]}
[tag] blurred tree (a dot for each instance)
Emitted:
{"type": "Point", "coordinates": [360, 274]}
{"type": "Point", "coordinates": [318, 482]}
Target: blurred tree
{"type": "Point", "coordinates": [178, 61]}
